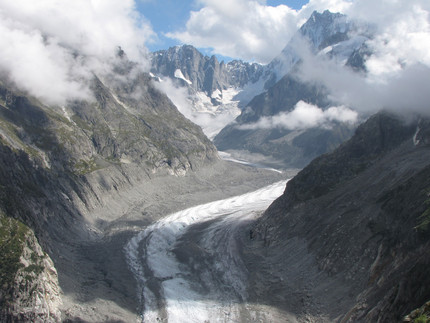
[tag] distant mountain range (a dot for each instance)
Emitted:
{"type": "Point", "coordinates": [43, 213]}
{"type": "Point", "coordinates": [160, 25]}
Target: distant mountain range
{"type": "Point", "coordinates": [266, 91]}
{"type": "Point", "coordinates": [347, 241]}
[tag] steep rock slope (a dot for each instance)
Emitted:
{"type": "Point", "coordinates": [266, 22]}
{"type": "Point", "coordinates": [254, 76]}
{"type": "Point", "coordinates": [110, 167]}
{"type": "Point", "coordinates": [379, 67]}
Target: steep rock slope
{"type": "Point", "coordinates": [204, 89]}
{"type": "Point", "coordinates": [328, 34]}
{"type": "Point", "coordinates": [349, 240]}
{"type": "Point", "coordinates": [30, 290]}
{"type": "Point", "coordinates": [60, 164]}
{"type": "Point", "coordinates": [203, 73]}
{"type": "Point", "coordinates": [288, 147]}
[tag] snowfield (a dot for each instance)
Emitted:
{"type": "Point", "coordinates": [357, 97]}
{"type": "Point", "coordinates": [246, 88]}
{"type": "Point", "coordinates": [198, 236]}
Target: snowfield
{"type": "Point", "coordinates": [209, 283]}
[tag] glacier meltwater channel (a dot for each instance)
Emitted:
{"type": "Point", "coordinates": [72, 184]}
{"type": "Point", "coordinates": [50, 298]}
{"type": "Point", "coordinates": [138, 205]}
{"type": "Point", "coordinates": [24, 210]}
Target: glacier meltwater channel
{"type": "Point", "coordinates": [167, 288]}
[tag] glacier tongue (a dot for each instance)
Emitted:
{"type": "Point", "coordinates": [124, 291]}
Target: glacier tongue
{"type": "Point", "coordinates": [170, 290]}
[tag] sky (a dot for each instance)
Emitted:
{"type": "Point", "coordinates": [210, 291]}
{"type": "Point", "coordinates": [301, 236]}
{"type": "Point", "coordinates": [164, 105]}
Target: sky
{"type": "Point", "coordinates": [52, 48]}
{"type": "Point", "coordinates": [167, 17]}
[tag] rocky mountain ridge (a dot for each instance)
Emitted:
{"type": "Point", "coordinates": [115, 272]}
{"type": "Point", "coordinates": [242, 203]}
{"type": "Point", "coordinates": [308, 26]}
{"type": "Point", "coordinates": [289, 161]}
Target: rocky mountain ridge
{"type": "Point", "coordinates": [202, 73]}
{"type": "Point", "coordinates": [60, 164]}
{"type": "Point", "coordinates": [330, 34]}
{"type": "Point", "coordinates": [203, 88]}
{"type": "Point", "coordinates": [355, 222]}
{"type": "Point", "coordinates": [30, 289]}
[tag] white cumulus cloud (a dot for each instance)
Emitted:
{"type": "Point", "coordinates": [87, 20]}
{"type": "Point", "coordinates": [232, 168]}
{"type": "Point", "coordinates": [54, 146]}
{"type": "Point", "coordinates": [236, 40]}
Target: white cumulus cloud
{"type": "Point", "coordinates": [305, 116]}
{"type": "Point", "coordinates": [254, 31]}
{"type": "Point", "coordinates": [50, 47]}
{"type": "Point", "coordinates": [402, 34]}
{"type": "Point", "coordinates": [398, 71]}
{"type": "Point", "coordinates": [246, 29]}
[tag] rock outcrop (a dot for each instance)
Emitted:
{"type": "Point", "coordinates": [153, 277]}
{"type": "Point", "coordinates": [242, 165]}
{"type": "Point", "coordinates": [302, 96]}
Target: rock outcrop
{"type": "Point", "coordinates": [349, 239]}
{"type": "Point", "coordinates": [30, 289]}
{"type": "Point", "coordinates": [202, 73]}
{"type": "Point", "coordinates": [58, 164]}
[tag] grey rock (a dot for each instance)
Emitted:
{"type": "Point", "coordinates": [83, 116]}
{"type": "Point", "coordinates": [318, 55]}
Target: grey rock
{"type": "Point", "coordinates": [350, 228]}
{"type": "Point", "coordinates": [283, 88]}
{"type": "Point", "coordinates": [206, 74]}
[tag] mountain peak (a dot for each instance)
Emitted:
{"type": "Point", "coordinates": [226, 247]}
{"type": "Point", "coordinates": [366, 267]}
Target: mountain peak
{"type": "Point", "coordinates": [321, 27]}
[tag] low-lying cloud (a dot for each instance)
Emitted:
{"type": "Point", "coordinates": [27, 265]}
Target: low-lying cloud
{"type": "Point", "coordinates": [401, 89]}
{"type": "Point", "coordinates": [211, 124]}
{"type": "Point", "coordinates": [305, 116]}
{"type": "Point", "coordinates": [52, 48]}
{"type": "Point", "coordinates": [397, 70]}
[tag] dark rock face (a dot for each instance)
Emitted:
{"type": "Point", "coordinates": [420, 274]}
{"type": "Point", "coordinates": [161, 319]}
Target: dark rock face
{"type": "Point", "coordinates": [373, 139]}
{"type": "Point", "coordinates": [293, 148]}
{"type": "Point", "coordinates": [59, 163]}
{"type": "Point", "coordinates": [360, 218]}
{"type": "Point", "coordinates": [205, 73]}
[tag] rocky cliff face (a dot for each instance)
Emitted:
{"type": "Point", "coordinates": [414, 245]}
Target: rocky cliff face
{"type": "Point", "coordinates": [349, 240]}
{"type": "Point", "coordinates": [59, 164]}
{"type": "Point", "coordinates": [204, 89]}
{"type": "Point", "coordinates": [289, 147]}
{"type": "Point", "coordinates": [202, 73]}
{"type": "Point", "coordinates": [30, 290]}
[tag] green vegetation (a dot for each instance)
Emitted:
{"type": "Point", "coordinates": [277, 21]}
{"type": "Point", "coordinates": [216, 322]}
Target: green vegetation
{"type": "Point", "coordinates": [12, 240]}
{"type": "Point", "coordinates": [425, 216]}
{"type": "Point", "coordinates": [419, 315]}
{"type": "Point", "coordinates": [83, 167]}
{"type": "Point", "coordinates": [422, 319]}
{"type": "Point", "coordinates": [37, 269]}
{"type": "Point", "coordinates": [14, 237]}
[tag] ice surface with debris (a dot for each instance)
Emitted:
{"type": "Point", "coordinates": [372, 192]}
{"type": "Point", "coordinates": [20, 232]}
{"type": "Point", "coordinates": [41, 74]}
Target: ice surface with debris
{"type": "Point", "coordinates": [152, 259]}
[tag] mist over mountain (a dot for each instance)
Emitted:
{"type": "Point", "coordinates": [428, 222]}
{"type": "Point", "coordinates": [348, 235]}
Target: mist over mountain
{"type": "Point", "coordinates": [108, 156]}
{"type": "Point", "coordinates": [59, 164]}
{"type": "Point", "coordinates": [276, 122]}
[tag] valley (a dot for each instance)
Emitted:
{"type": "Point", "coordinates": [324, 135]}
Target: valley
{"type": "Point", "coordinates": [106, 289]}
{"type": "Point", "coordinates": [173, 186]}
{"type": "Point", "coordinates": [188, 266]}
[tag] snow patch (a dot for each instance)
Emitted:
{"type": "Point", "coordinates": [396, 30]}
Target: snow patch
{"type": "Point", "coordinates": [179, 75]}
{"type": "Point", "coordinates": [66, 115]}
{"type": "Point", "coordinates": [415, 138]}
{"type": "Point", "coordinates": [228, 157]}
{"type": "Point", "coordinates": [217, 94]}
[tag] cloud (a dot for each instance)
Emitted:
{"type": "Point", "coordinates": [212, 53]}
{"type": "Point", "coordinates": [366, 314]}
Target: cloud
{"type": "Point", "coordinates": [50, 48]}
{"type": "Point", "coordinates": [254, 31]}
{"type": "Point", "coordinates": [305, 116]}
{"type": "Point", "coordinates": [402, 34]}
{"type": "Point", "coordinates": [405, 92]}
{"type": "Point", "coordinates": [211, 124]}
{"type": "Point", "coordinates": [398, 71]}
{"type": "Point", "coordinates": [246, 29]}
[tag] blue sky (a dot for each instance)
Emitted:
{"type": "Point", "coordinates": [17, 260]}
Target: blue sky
{"type": "Point", "coordinates": [171, 16]}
